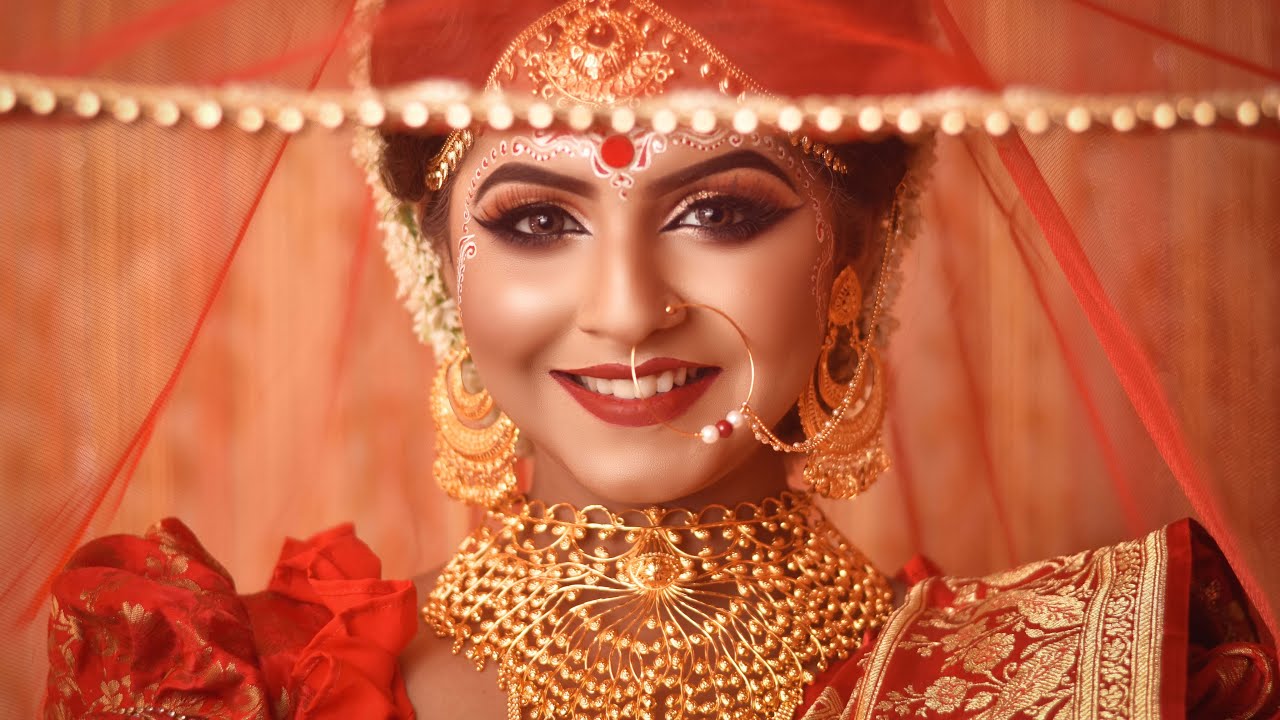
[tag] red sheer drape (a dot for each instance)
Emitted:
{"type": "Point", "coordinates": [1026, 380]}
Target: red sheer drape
{"type": "Point", "coordinates": [199, 322]}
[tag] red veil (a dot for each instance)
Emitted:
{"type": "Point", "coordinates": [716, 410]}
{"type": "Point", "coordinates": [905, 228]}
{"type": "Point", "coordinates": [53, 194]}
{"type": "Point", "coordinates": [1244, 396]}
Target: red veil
{"type": "Point", "coordinates": [197, 320]}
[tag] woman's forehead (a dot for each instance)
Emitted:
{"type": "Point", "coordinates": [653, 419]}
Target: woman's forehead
{"type": "Point", "coordinates": [591, 164]}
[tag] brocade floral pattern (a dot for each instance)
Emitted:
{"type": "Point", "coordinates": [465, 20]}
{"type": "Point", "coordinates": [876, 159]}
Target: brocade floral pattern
{"type": "Point", "coordinates": [152, 627]}
{"type": "Point", "coordinates": [140, 625]}
{"type": "Point", "coordinates": [1099, 634]}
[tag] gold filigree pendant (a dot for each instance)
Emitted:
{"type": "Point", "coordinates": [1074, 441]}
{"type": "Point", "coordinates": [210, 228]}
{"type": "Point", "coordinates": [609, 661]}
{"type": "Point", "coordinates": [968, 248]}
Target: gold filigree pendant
{"type": "Point", "coordinates": [661, 613]}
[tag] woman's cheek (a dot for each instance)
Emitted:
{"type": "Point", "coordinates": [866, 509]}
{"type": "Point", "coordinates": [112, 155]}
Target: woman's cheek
{"type": "Point", "coordinates": [512, 307]}
{"type": "Point", "coordinates": [779, 312]}
{"type": "Point", "coordinates": [789, 349]}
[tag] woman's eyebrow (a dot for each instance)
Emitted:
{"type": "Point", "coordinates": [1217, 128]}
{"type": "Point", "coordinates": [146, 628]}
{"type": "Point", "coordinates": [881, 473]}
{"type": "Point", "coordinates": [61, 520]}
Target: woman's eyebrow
{"type": "Point", "coordinates": [526, 173]}
{"type": "Point", "coordinates": [737, 159]}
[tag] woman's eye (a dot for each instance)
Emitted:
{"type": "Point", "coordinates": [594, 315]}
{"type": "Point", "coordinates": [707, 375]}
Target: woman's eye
{"type": "Point", "coordinates": [536, 225]}
{"type": "Point", "coordinates": [711, 216]}
{"type": "Point", "coordinates": [729, 218]}
{"type": "Point", "coordinates": [544, 221]}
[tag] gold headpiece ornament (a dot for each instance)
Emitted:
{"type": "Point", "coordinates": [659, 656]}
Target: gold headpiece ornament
{"type": "Point", "coordinates": [605, 54]}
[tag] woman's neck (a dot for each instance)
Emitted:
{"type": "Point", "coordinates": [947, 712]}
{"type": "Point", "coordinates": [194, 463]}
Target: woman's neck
{"type": "Point", "coordinates": [761, 474]}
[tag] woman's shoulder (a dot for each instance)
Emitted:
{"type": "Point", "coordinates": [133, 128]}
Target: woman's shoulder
{"type": "Point", "coordinates": [440, 678]}
{"type": "Point", "coordinates": [1154, 627]}
{"type": "Point", "coordinates": [153, 624]}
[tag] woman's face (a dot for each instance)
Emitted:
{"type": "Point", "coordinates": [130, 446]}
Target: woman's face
{"type": "Point", "coordinates": [569, 247]}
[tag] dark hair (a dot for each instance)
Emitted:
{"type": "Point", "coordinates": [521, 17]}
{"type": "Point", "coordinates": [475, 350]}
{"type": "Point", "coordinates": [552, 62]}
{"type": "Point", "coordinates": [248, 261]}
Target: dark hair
{"type": "Point", "coordinates": [862, 199]}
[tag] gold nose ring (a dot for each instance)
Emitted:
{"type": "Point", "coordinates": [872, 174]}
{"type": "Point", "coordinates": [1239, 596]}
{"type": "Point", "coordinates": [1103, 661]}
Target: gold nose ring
{"type": "Point", "coordinates": [733, 419]}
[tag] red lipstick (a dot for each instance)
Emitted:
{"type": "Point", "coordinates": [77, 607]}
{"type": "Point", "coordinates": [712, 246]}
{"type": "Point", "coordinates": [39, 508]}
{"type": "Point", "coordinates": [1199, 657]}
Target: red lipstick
{"type": "Point", "coordinates": [638, 412]}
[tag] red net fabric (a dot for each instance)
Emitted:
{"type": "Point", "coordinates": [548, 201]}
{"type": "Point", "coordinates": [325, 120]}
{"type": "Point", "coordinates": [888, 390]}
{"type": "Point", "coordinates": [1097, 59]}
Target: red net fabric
{"type": "Point", "coordinates": [118, 239]}
{"type": "Point", "coordinates": [200, 323]}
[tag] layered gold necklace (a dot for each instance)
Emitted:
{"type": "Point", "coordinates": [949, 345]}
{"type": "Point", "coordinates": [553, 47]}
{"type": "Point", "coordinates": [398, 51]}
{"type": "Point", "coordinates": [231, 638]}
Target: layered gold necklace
{"type": "Point", "coordinates": [660, 613]}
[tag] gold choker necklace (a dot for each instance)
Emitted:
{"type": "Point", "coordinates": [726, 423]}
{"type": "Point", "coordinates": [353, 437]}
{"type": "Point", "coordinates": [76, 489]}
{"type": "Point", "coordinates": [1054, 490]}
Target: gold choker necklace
{"type": "Point", "coordinates": [658, 613]}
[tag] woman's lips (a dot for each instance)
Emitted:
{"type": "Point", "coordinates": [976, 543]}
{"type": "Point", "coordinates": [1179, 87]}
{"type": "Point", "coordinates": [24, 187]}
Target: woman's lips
{"type": "Point", "coordinates": [668, 389]}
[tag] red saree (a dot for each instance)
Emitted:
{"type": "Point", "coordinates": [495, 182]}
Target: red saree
{"type": "Point", "coordinates": [1150, 628]}
{"type": "Point", "coordinates": [1153, 628]}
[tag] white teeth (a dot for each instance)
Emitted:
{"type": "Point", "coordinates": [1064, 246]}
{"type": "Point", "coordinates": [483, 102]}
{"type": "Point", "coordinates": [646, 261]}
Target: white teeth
{"type": "Point", "coordinates": [666, 381]}
{"type": "Point", "coordinates": [649, 385]}
{"type": "Point", "coordinates": [625, 389]}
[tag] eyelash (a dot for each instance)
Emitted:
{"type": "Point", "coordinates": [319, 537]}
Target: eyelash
{"type": "Point", "coordinates": [759, 212]}
{"type": "Point", "coordinates": [515, 208]}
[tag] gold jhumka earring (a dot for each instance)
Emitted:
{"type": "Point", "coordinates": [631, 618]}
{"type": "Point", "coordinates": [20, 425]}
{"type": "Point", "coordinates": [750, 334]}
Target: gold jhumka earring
{"type": "Point", "coordinates": [475, 441]}
{"type": "Point", "coordinates": [853, 456]}
{"type": "Point", "coordinates": [842, 420]}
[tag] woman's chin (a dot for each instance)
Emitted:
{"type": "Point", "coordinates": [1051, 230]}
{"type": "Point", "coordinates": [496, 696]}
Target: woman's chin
{"type": "Point", "coordinates": [639, 477]}
{"type": "Point", "coordinates": [642, 488]}
{"type": "Point", "coordinates": [691, 474]}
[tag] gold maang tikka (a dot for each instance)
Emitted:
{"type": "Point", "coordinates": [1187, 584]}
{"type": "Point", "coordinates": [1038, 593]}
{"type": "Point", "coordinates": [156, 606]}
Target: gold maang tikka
{"type": "Point", "coordinates": [660, 613]}
{"type": "Point", "coordinates": [475, 441]}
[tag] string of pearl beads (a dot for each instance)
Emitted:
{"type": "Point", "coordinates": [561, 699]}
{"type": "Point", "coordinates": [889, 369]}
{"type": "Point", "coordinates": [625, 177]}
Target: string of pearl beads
{"type": "Point", "coordinates": [710, 434]}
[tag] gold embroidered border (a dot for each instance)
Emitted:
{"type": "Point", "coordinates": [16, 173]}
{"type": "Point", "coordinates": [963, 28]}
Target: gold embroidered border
{"type": "Point", "coordinates": [1151, 625]}
{"type": "Point", "coordinates": [1081, 636]}
{"type": "Point", "coordinates": [868, 688]}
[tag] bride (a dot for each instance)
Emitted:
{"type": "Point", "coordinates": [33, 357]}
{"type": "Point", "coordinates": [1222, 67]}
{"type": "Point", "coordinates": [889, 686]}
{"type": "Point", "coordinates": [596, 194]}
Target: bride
{"type": "Point", "coordinates": [647, 308]}
{"type": "Point", "coordinates": [678, 332]}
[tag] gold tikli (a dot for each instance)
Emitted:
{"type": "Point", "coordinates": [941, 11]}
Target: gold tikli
{"type": "Point", "coordinates": [659, 613]}
{"type": "Point", "coordinates": [605, 54]}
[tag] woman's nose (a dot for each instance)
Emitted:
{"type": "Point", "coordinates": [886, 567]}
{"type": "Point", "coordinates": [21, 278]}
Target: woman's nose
{"type": "Point", "coordinates": [625, 294]}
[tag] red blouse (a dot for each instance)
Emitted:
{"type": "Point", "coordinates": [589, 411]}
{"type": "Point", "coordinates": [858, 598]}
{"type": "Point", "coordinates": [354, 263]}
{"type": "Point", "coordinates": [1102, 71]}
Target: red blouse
{"type": "Point", "coordinates": [152, 624]}
{"type": "Point", "coordinates": [1158, 627]}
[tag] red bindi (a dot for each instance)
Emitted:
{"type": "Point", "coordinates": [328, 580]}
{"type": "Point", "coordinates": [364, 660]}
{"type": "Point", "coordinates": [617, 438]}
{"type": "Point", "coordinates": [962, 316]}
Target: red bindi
{"type": "Point", "coordinates": [617, 151]}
